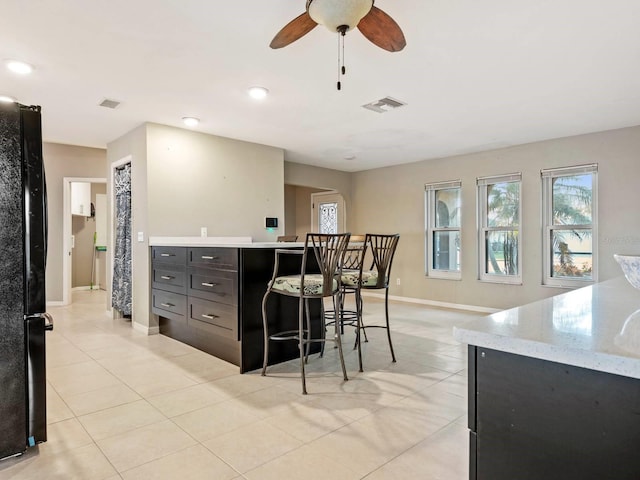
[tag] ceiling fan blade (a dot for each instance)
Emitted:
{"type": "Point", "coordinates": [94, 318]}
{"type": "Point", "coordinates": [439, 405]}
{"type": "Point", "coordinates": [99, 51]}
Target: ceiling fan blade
{"type": "Point", "coordinates": [382, 30]}
{"type": "Point", "coordinates": [292, 31]}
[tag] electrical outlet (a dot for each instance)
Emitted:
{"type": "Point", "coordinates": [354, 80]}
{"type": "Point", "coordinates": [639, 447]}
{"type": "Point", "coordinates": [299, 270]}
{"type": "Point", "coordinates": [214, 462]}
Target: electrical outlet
{"type": "Point", "coordinates": [397, 281]}
{"type": "Point", "coordinates": [203, 231]}
{"type": "Point", "coordinates": [140, 236]}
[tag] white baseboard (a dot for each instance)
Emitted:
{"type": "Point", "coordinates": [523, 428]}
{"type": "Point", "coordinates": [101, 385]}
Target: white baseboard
{"type": "Point", "coordinates": [146, 330]}
{"type": "Point", "coordinates": [433, 303]}
{"type": "Point", "coordinates": [55, 303]}
{"type": "Point", "coordinates": [87, 287]}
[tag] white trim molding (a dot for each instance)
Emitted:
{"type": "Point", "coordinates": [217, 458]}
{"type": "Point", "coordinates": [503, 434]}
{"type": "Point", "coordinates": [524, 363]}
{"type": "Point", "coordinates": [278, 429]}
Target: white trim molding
{"type": "Point", "coordinates": [434, 303]}
{"type": "Point", "coordinates": [145, 329]}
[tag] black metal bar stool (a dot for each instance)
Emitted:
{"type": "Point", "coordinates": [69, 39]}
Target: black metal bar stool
{"type": "Point", "coordinates": [351, 266]}
{"type": "Point", "coordinates": [381, 249]}
{"type": "Point", "coordinates": [328, 250]}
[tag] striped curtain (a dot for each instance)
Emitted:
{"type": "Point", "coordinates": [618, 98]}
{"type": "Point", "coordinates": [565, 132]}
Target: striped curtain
{"type": "Point", "coordinates": [121, 288]}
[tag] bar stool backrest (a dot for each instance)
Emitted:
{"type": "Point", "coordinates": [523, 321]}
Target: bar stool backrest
{"type": "Point", "coordinates": [287, 238]}
{"type": "Point", "coordinates": [329, 250]}
{"type": "Point", "coordinates": [382, 250]}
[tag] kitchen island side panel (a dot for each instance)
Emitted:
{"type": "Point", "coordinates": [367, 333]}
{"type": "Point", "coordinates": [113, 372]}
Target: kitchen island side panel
{"type": "Point", "coordinates": [539, 419]}
{"type": "Point", "coordinates": [256, 271]}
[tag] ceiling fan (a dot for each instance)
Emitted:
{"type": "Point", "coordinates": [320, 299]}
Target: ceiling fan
{"type": "Point", "coordinates": [341, 16]}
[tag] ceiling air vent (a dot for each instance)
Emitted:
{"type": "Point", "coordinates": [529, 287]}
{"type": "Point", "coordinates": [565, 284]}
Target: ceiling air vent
{"type": "Point", "coordinates": [109, 103]}
{"type": "Point", "coordinates": [384, 105]}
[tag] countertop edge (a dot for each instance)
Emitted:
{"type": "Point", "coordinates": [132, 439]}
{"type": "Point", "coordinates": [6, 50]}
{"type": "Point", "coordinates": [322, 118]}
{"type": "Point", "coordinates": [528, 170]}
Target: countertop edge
{"type": "Point", "coordinates": [226, 242]}
{"type": "Point", "coordinates": [599, 361]}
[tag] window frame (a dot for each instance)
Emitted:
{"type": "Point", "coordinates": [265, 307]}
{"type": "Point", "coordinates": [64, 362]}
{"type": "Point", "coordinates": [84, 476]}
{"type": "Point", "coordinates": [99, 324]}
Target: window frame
{"type": "Point", "coordinates": [547, 176]}
{"type": "Point", "coordinates": [483, 184]}
{"type": "Point", "coordinates": [430, 190]}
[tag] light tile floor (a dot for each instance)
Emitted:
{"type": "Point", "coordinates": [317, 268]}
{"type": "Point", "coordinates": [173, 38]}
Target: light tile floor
{"type": "Point", "coordinates": [123, 405]}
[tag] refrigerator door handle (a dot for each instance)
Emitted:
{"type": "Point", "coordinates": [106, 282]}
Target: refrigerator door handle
{"type": "Point", "coordinates": [48, 325]}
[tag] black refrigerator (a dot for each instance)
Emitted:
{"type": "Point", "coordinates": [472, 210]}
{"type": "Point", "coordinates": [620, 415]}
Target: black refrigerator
{"type": "Point", "coordinates": [23, 252]}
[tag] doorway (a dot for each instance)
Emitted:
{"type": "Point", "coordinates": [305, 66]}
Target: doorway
{"type": "Point", "coordinates": [121, 257]}
{"type": "Point", "coordinates": [83, 265]}
{"type": "Point", "coordinates": [328, 213]}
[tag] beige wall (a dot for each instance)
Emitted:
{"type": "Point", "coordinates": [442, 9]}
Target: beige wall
{"type": "Point", "coordinates": [316, 179]}
{"type": "Point", "coordinates": [392, 200]}
{"type": "Point", "coordinates": [133, 146]}
{"type": "Point", "coordinates": [197, 180]}
{"type": "Point", "coordinates": [289, 210]}
{"type": "Point", "coordinates": [303, 211]}
{"type": "Point", "coordinates": [183, 180]}
{"type": "Point", "coordinates": [64, 161]}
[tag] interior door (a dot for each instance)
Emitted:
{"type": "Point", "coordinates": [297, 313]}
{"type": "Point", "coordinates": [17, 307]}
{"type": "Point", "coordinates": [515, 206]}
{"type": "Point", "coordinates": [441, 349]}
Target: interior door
{"type": "Point", "coordinates": [328, 213]}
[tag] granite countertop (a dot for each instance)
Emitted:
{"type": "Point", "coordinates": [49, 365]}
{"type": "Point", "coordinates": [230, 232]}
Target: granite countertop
{"type": "Point", "coordinates": [595, 327]}
{"type": "Point", "coordinates": [231, 242]}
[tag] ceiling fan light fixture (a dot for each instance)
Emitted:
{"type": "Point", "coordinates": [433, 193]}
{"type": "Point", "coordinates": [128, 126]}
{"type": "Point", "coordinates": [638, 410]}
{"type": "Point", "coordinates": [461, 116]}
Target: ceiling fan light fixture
{"type": "Point", "coordinates": [190, 121]}
{"type": "Point", "coordinates": [334, 14]}
{"type": "Point", "coordinates": [258, 93]}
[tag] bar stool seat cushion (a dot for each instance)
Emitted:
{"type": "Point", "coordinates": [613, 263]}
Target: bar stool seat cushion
{"type": "Point", "coordinates": [369, 278]}
{"type": "Point", "coordinates": [290, 284]}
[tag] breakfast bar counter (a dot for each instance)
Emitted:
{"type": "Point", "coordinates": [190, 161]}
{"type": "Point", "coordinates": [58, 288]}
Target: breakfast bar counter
{"type": "Point", "coordinates": [554, 387]}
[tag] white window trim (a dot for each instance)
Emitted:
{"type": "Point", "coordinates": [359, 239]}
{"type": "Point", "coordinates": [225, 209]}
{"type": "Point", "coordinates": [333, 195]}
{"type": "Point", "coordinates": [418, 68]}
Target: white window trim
{"type": "Point", "coordinates": [483, 228]}
{"type": "Point", "coordinates": [429, 208]}
{"type": "Point", "coordinates": [547, 176]}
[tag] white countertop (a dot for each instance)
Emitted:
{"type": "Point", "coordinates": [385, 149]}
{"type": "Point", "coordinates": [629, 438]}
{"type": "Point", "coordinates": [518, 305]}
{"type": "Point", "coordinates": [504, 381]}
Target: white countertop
{"type": "Point", "coordinates": [596, 327]}
{"type": "Point", "coordinates": [231, 242]}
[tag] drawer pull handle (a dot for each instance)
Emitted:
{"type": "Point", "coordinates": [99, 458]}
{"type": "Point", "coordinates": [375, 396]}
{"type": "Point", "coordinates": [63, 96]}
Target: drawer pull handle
{"type": "Point", "coordinates": [209, 257]}
{"type": "Point", "coordinates": [210, 317]}
{"type": "Point", "coordinates": [167, 305]}
{"type": "Point", "coordinates": [167, 255]}
{"type": "Point", "coordinates": [166, 277]}
{"type": "Point", "coordinates": [207, 284]}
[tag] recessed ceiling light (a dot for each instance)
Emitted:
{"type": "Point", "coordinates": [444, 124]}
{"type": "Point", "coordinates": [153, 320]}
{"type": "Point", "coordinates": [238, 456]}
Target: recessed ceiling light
{"type": "Point", "coordinates": [190, 121]}
{"type": "Point", "coordinates": [7, 99]}
{"type": "Point", "coordinates": [350, 157]}
{"type": "Point", "coordinates": [18, 67]}
{"type": "Point", "coordinates": [258, 93]}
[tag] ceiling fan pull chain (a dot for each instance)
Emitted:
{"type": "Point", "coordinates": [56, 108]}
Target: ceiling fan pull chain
{"type": "Point", "coordinates": [344, 70]}
{"type": "Point", "coordinates": [341, 68]}
{"type": "Point", "coordinates": [339, 84]}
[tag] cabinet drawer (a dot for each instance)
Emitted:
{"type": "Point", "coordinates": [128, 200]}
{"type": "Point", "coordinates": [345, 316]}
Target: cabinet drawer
{"type": "Point", "coordinates": [173, 255]}
{"type": "Point", "coordinates": [217, 285]}
{"type": "Point", "coordinates": [164, 277]}
{"type": "Point", "coordinates": [213, 317]}
{"type": "Point", "coordinates": [169, 305]}
{"type": "Point", "coordinates": [218, 257]}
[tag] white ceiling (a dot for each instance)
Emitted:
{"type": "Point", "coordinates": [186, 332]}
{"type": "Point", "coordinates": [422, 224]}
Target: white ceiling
{"type": "Point", "coordinates": [475, 74]}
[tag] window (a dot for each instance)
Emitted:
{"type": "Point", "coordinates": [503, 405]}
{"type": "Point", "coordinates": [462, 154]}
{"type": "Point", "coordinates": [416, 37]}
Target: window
{"type": "Point", "coordinates": [442, 240]}
{"type": "Point", "coordinates": [328, 212]}
{"type": "Point", "coordinates": [569, 225]}
{"type": "Point", "coordinates": [328, 217]}
{"type": "Point", "coordinates": [499, 232]}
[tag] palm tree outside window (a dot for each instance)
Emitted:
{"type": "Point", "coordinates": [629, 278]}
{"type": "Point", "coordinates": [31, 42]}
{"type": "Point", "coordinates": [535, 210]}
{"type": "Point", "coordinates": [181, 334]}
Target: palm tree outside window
{"type": "Point", "coordinates": [569, 232]}
{"type": "Point", "coordinates": [443, 229]}
{"type": "Point", "coordinates": [500, 231]}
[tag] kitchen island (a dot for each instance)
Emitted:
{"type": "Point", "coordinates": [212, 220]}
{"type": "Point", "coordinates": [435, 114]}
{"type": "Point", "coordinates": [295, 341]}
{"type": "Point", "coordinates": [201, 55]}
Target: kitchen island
{"type": "Point", "coordinates": [554, 387]}
{"type": "Point", "coordinates": [207, 292]}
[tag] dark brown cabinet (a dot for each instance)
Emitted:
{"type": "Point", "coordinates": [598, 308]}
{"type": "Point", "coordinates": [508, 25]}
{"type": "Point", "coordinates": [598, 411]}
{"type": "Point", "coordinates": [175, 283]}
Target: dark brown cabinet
{"type": "Point", "coordinates": [532, 419]}
{"type": "Point", "coordinates": [169, 283]}
{"type": "Point", "coordinates": [211, 299]}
